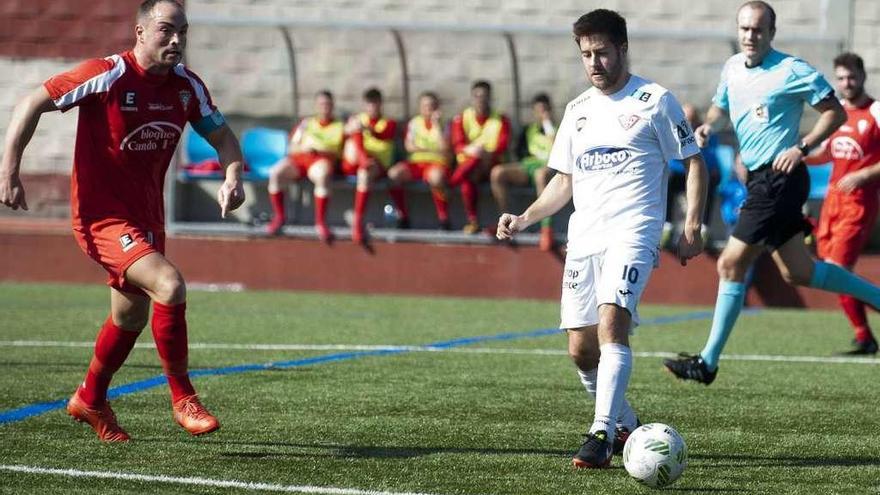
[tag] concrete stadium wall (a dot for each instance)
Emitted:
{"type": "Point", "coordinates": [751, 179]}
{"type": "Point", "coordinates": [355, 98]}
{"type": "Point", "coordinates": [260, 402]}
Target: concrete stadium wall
{"type": "Point", "coordinates": [246, 68]}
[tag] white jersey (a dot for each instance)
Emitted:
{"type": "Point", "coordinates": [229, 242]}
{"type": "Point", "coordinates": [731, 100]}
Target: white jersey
{"type": "Point", "coordinates": [616, 147]}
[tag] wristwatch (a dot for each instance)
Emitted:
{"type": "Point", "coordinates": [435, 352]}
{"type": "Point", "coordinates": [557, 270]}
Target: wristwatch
{"type": "Point", "coordinates": [804, 147]}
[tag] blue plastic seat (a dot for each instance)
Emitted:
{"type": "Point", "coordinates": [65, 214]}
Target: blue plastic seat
{"type": "Point", "coordinates": [197, 148]}
{"type": "Point", "coordinates": [731, 191]}
{"type": "Point", "coordinates": [263, 147]}
{"type": "Point", "coordinates": [819, 177]}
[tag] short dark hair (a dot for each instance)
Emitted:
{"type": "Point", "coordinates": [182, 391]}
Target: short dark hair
{"type": "Point", "coordinates": [148, 5]}
{"type": "Point", "coordinates": [851, 61]}
{"type": "Point", "coordinates": [542, 98]}
{"type": "Point", "coordinates": [373, 95]}
{"type": "Point", "coordinates": [481, 83]}
{"type": "Point", "coordinates": [758, 4]}
{"type": "Point", "coordinates": [430, 94]}
{"type": "Point", "coordinates": [601, 21]}
{"type": "Point", "coordinates": [324, 92]}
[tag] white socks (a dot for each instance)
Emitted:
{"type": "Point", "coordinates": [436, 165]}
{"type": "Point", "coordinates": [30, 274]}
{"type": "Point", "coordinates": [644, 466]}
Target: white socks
{"type": "Point", "coordinates": [608, 384]}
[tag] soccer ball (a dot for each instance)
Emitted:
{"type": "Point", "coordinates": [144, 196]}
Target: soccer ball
{"type": "Point", "coordinates": [655, 455]}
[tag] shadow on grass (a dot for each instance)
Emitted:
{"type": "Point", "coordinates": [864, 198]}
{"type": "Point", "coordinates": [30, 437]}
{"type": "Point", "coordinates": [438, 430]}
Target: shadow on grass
{"type": "Point", "coordinates": [358, 451]}
{"type": "Point", "coordinates": [737, 460]}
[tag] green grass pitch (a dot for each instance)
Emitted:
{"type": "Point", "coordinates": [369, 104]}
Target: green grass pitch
{"type": "Point", "coordinates": [446, 422]}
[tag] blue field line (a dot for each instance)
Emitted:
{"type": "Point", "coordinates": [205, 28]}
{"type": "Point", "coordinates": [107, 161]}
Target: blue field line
{"type": "Point", "coordinates": [31, 410]}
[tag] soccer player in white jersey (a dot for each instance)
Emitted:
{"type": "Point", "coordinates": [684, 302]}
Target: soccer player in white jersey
{"type": "Point", "coordinates": [611, 153]}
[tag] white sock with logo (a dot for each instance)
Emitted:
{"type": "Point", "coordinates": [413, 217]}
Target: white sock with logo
{"type": "Point", "coordinates": [615, 366]}
{"type": "Point", "coordinates": [627, 417]}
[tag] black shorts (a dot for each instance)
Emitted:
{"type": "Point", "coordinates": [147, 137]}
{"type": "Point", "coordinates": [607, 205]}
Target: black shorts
{"type": "Point", "coordinates": [773, 210]}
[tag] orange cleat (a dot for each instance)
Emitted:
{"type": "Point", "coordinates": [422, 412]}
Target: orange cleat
{"type": "Point", "coordinates": [546, 241]}
{"type": "Point", "coordinates": [193, 417]}
{"type": "Point", "coordinates": [102, 419]}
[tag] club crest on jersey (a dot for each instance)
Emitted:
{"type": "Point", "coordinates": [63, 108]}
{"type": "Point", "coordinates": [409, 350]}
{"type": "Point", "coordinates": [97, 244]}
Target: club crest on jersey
{"type": "Point", "coordinates": [627, 121]}
{"type": "Point", "coordinates": [127, 242]}
{"type": "Point", "coordinates": [602, 158]}
{"type": "Point", "coordinates": [846, 148]}
{"type": "Point", "coordinates": [185, 96]}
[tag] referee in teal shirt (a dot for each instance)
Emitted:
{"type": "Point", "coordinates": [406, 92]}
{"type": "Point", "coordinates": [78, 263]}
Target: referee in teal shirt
{"type": "Point", "coordinates": [763, 91]}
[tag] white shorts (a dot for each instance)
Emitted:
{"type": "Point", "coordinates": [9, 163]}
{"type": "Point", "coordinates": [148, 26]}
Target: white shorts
{"type": "Point", "coordinates": [617, 276]}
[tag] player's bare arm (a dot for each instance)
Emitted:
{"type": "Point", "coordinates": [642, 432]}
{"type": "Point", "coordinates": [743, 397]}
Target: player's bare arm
{"type": "Point", "coordinates": [21, 128]}
{"type": "Point", "coordinates": [690, 244]}
{"type": "Point", "coordinates": [555, 196]}
{"type": "Point", "coordinates": [231, 193]}
{"type": "Point", "coordinates": [831, 116]}
{"type": "Point", "coordinates": [716, 118]}
{"type": "Point", "coordinates": [819, 156]}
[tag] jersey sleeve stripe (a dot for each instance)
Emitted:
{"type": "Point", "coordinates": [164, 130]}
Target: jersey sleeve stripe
{"type": "Point", "coordinates": [201, 94]}
{"type": "Point", "coordinates": [874, 110]}
{"type": "Point", "coordinates": [98, 84]}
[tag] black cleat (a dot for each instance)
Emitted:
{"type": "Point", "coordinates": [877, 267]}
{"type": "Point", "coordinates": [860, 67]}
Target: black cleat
{"type": "Point", "coordinates": [621, 435]}
{"type": "Point", "coordinates": [595, 452]}
{"type": "Point", "coordinates": [690, 367]}
{"type": "Point", "coordinates": [403, 223]}
{"type": "Point", "coordinates": [862, 348]}
{"type": "Point", "coordinates": [445, 225]}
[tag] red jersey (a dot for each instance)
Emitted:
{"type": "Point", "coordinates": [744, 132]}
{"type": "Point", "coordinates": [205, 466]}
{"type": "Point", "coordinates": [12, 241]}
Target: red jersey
{"type": "Point", "coordinates": [129, 124]}
{"type": "Point", "coordinates": [856, 144]}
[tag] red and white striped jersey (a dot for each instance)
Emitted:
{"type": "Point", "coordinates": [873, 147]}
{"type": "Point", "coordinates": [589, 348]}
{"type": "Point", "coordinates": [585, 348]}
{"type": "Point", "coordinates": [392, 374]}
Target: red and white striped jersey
{"type": "Point", "coordinates": [130, 122]}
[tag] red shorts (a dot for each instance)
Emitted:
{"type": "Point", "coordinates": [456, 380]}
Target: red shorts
{"type": "Point", "coordinates": [845, 225]}
{"type": "Point", "coordinates": [116, 244]}
{"type": "Point", "coordinates": [304, 161]}
{"type": "Point", "coordinates": [419, 170]}
{"type": "Point", "coordinates": [350, 168]}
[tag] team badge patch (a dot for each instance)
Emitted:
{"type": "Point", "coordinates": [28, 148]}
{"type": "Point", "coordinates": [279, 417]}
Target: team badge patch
{"type": "Point", "coordinates": [185, 97]}
{"type": "Point", "coordinates": [127, 242]}
{"type": "Point", "coordinates": [627, 121]}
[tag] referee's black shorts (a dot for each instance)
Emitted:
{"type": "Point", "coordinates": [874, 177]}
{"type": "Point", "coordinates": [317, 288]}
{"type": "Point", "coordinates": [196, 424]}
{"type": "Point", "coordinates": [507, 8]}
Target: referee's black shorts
{"type": "Point", "coordinates": [772, 212]}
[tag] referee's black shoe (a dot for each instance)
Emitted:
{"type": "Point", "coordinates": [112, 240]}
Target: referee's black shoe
{"type": "Point", "coordinates": [690, 367]}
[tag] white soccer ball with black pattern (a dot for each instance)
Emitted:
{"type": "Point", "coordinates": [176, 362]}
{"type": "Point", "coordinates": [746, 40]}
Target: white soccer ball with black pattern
{"type": "Point", "coordinates": [655, 455]}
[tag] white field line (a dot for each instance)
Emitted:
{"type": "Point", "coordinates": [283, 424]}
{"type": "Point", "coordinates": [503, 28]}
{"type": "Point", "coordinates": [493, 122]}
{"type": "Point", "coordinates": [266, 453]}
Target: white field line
{"type": "Point", "coordinates": [458, 350]}
{"type": "Point", "coordinates": [263, 487]}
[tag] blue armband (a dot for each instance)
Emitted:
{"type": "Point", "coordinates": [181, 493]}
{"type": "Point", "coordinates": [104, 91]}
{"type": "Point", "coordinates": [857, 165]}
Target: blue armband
{"type": "Point", "coordinates": [210, 123]}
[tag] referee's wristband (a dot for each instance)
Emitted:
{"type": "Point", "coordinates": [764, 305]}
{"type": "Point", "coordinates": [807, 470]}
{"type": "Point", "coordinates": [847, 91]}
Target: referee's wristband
{"type": "Point", "coordinates": [804, 148]}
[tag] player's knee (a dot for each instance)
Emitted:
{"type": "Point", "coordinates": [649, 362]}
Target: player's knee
{"type": "Point", "coordinates": [132, 320]}
{"type": "Point", "coordinates": [584, 359]}
{"type": "Point", "coordinates": [729, 268]}
{"type": "Point", "coordinates": [170, 287]}
{"type": "Point", "coordinates": [497, 175]}
{"type": "Point", "coordinates": [795, 276]}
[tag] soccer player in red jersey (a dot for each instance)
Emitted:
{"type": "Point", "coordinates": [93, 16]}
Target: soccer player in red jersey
{"type": "Point", "coordinates": [428, 148]}
{"type": "Point", "coordinates": [132, 109]}
{"type": "Point", "coordinates": [315, 145]}
{"type": "Point", "coordinates": [851, 205]}
{"type": "Point", "coordinates": [480, 137]}
{"type": "Point", "coordinates": [367, 154]}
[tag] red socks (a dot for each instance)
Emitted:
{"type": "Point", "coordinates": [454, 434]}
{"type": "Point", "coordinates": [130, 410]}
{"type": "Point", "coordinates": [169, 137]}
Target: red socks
{"type": "Point", "coordinates": [463, 171]}
{"type": "Point", "coordinates": [440, 202]}
{"type": "Point", "coordinates": [360, 206]}
{"type": "Point", "coordinates": [111, 349]}
{"type": "Point", "coordinates": [320, 210]}
{"type": "Point", "coordinates": [169, 332]}
{"type": "Point", "coordinates": [277, 200]}
{"type": "Point", "coordinates": [399, 197]}
{"type": "Point", "coordinates": [855, 311]}
{"type": "Point", "coordinates": [469, 197]}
